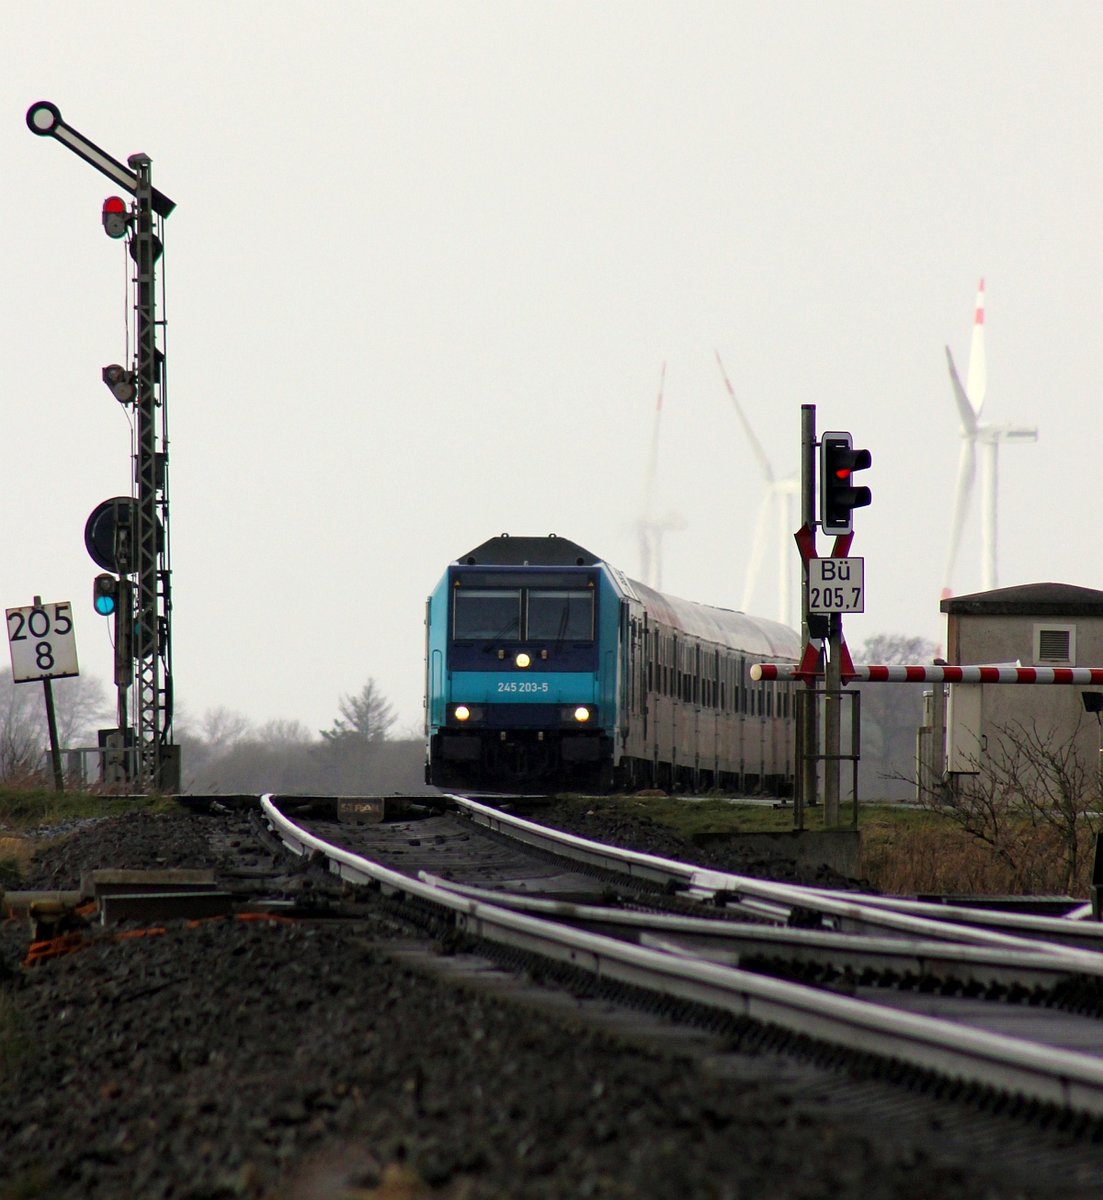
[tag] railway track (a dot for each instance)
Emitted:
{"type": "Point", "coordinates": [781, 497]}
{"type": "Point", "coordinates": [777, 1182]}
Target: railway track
{"type": "Point", "coordinates": [155, 1055]}
{"type": "Point", "coordinates": [589, 909]}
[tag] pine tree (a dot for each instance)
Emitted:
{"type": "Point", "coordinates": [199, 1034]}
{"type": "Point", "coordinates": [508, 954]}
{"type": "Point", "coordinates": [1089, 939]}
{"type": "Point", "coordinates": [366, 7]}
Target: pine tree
{"type": "Point", "coordinates": [364, 718]}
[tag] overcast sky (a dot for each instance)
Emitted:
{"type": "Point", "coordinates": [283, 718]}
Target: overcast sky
{"type": "Point", "coordinates": [429, 258]}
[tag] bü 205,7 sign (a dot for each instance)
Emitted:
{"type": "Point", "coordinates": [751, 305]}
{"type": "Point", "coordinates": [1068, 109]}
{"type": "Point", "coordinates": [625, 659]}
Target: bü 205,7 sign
{"type": "Point", "coordinates": [42, 642]}
{"type": "Point", "coordinates": [836, 585]}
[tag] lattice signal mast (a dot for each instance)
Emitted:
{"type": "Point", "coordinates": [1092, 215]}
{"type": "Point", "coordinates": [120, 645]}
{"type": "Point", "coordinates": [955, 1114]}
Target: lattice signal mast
{"type": "Point", "coordinates": [139, 539]}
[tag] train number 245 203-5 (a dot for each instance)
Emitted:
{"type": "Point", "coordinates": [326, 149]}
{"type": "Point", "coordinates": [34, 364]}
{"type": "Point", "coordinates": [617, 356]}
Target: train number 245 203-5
{"type": "Point", "coordinates": [514, 686]}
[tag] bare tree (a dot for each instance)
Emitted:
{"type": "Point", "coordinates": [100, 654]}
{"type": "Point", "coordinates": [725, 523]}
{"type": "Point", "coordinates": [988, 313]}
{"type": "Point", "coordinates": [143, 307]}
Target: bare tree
{"type": "Point", "coordinates": [1032, 802]}
{"type": "Point", "coordinates": [221, 727]}
{"type": "Point", "coordinates": [1059, 791]}
{"type": "Point", "coordinates": [209, 738]}
{"type": "Point", "coordinates": [80, 705]}
{"type": "Point", "coordinates": [284, 733]}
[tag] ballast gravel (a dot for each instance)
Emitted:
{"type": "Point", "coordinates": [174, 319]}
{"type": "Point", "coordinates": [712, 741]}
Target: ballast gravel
{"type": "Point", "coordinates": [288, 1059]}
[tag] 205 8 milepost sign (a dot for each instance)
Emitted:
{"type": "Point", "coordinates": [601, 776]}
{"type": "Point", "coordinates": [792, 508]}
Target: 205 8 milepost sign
{"type": "Point", "coordinates": [836, 585]}
{"type": "Point", "coordinates": [42, 642]}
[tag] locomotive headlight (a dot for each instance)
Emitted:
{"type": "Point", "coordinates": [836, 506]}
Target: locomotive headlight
{"type": "Point", "coordinates": [582, 714]}
{"type": "Point", "coordinates": [523, 660]}
{"type": "Point", "coordinates": [462, 712]}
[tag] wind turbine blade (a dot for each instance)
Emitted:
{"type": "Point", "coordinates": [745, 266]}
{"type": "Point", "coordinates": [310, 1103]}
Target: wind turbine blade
{"type": "Point", "coordinates": [976, 381]}
{"type": "Point", "coordinates": [756, 445]}
{"type": "Point", "coordinates": [758, 546]}
{"type": "Point", "coordinates": [965, 473]}
{"type": "Point", "coordinates": [964, 408]}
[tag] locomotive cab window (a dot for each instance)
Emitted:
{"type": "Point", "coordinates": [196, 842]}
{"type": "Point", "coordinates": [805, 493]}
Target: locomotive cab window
{"type": "Point", "coordinates": [560, 615]}
{"type": "Point", "coordinates": [487, 613]}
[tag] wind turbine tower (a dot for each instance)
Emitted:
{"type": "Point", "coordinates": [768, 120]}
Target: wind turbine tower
{"type": "Point", "coordinates": [651, 528]}
{"type": "Point", "coordinates": [989, 437]}
{"type": "Point", "coordinates": [780, 500]}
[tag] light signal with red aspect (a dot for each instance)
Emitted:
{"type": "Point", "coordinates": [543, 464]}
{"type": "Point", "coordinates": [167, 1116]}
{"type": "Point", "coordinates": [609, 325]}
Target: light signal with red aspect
{"type": "Point", "coordinates": [116, 217]}
{"type": "Point", "coordinates": [838, 496]}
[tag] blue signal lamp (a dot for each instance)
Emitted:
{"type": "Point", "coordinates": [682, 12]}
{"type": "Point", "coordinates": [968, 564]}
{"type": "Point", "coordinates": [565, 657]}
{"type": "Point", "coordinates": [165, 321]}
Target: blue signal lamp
{"type": "Point", "coordinates": [105, 595]}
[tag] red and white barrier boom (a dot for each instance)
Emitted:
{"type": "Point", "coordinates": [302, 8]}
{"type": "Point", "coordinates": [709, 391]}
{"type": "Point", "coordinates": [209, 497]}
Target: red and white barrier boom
{"type": "Point", "coordinates": [902, 673]}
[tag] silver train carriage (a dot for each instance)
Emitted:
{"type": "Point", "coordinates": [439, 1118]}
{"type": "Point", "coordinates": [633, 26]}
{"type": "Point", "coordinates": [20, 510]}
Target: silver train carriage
{"type": "Point", "coordinates": [547, 668]}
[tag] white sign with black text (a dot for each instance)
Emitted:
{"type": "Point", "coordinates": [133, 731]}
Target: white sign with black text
{"type": "Point", "coordinates": [836, 585]}
{"type": "Point", "coordinates": [42, 642]}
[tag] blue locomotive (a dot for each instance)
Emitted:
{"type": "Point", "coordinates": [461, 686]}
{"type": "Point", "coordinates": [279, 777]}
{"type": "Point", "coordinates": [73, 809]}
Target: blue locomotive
{"type": "Point", "coordinates": [547, 668]}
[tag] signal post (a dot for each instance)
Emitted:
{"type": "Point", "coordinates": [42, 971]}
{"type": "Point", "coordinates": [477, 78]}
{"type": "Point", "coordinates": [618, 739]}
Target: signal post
{"type": "Point", "coordinates": [128, 536]}
{"type": "Point", "coordinates": [830, 587]}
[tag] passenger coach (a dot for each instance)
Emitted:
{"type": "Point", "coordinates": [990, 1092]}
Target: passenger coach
{"type": "Point", "coordinates": [547, 668]}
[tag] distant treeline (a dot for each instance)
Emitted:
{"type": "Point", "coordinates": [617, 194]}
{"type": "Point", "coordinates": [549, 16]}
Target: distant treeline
{"type": "Point", "coordinates": [223, 752]}
{"type": "Point", "coordinates": [313, 768]}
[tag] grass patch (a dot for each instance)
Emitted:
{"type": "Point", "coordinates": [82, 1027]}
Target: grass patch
{"type": "Point", "coordinates": [686, 817]}
{"type": "Point", "coordinates": [22, 809]}
{"type": "Point", "coordinates": [716, 815]}
{"type": "Point", "coordinates": [933, 854]}
{"type": "Point", "coordinates": [15, 856]}
{"type": "Point", "coordinates": [904, 849]}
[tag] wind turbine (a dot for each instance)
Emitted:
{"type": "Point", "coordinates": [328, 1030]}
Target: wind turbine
{"type": "Point", "coordinates": [781, 497]}
{"type": "Point", "coordinates": [989, 436]}
{"type": "Point", "coordinates": [652, 528]}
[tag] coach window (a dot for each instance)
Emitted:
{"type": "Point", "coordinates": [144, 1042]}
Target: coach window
{"type": "Point", "coordinates": [480, 613]}
{"type": "Point", "coordinates": [560, 615]}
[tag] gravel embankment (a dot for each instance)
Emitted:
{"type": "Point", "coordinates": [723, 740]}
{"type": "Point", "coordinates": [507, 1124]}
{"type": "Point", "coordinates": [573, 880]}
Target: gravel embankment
{"type": "Point", "coordinates": [293, 1060]}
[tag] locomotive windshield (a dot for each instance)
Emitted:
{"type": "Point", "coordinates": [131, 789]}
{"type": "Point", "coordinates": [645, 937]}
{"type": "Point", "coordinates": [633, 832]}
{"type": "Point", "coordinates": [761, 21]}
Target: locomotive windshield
{"type": "Point", "coordinates": [545, 614]}
{"type": "Point", "coordinates": [560, 615]}
{"type": "Point", "coordinates": [493, 613]}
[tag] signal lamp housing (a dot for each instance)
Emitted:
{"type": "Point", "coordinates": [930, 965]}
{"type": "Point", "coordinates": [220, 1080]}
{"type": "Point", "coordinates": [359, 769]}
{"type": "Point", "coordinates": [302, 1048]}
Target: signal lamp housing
{"type": "Point", "coordinates": [122, 383]}
{"type": "Point", "coordinates": [838, 495]}
{"type": "Point", "coordinates": [116, 218]}
{"type": "Point", "coordinates": [105, 595]}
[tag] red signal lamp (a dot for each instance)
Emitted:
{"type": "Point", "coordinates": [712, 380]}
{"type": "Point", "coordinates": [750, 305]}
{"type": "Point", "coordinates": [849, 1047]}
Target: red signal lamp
{"type": "Point", "coordinates": [838, 494]}
{"type": "Point", "coordinates": [116, 217]}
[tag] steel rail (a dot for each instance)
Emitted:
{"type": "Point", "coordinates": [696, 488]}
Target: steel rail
{"type": "Point", "coordinates": [731, 941]}
{"type": "Point", "coordinates": [1038, 1072]}
{"type": "Point", "coordinates": [1067, 930]}
{"type": "Point", "coordinates": [569, 910]}
{"type": "Point", "coordinates": [719, 887]}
